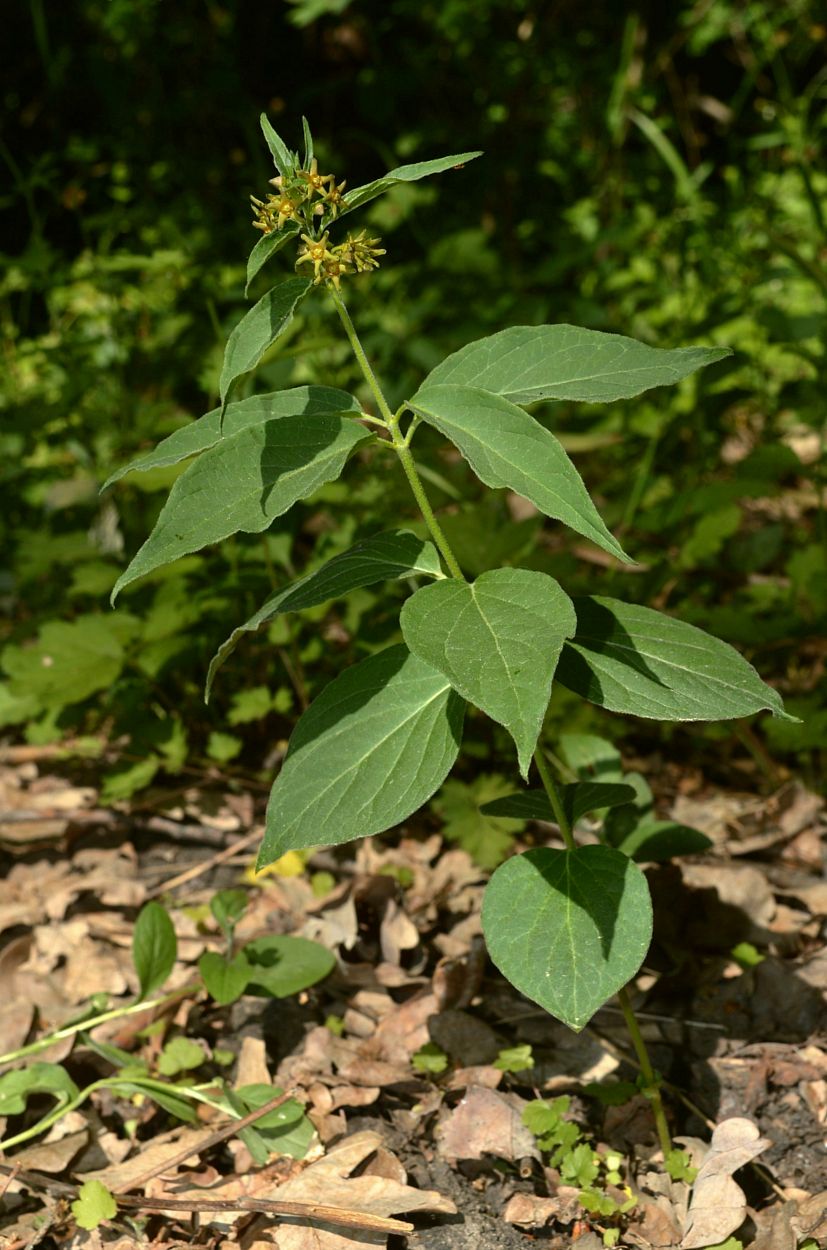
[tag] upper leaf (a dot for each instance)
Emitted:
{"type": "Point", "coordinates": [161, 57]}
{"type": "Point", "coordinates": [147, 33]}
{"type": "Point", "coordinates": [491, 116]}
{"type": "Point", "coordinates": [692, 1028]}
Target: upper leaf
{"type": "Point", "coordinates": [396, 553]}
{"type": "Point", "coordinates": [266, 247]}
{"type": "Point", "coordinates": [497, 640]}
{"type": "Point", "coordinates": [281, 154]}
{"type": "Point", "coordinates": [568, 928]}
{"type": "Point", "coordinates": [507, 447]}
{"type": "Point", "coordinates": [243, 482]}
{"type": "Point", "coordinates": [632, 659]}
{"type": "Point", "coordinates": [259, 329]}
{"type": "Point", "coordinates": [578, 799]}
{"type": "Point", "coordinates": [403, 173]}
{"type": "Point", "coordinates": [371, 749]}
{"type": "Point", "coordinates": [528, 363]}
{"type": "Point", "coordinates": [206, 431]}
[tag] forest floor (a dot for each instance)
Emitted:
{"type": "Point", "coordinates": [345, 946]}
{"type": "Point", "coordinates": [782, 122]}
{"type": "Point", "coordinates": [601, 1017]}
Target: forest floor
{"type": "Point", "coordinates": [446, 1152]}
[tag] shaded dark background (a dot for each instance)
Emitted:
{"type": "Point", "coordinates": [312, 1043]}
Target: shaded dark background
{"type": "Point", "coordinates": [653, 169]}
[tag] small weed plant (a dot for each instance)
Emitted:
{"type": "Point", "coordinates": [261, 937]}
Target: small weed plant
{"type": "Point", "coordinates": [568, 926]}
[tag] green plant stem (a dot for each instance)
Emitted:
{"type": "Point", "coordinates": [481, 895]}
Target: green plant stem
{"type": "Point", "coordinates": [91, 1022]}
{"type": "Point", "coordinates": [113, 1082]}
{"type": "Point", "coordinates": [398, 441]}
{"type": "Point", "coordinates": [647, 1071]}
{"type": "Point", "coordinates": [555, 800]}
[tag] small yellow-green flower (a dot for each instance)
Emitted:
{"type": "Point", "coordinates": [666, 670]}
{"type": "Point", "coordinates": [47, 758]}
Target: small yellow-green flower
{"type": "Point", "coordinates": [317, 253]}
{"type": "Point", "coordinates": [333, 198]}
{"type": "Point", "coordinates": [316, 181]}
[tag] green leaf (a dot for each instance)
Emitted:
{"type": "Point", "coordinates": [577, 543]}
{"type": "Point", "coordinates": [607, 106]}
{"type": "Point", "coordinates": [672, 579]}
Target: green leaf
{"type": "Point", "coordinates": [568, 928]}
{"type": "Point", "coordinates": [371, 749]}
{"type": "Point", "coordinates": [281, 154]}
{"type": "Point", "coordinates": [281, 966]}
{"type": "Point", "coordinates": [592, 758]}
{"type": "Point", "coordinates": [94, 1204]}
{"type": "Point", "coordinates": [259, 329]}
{"type": "Point", "coordinates": [632, 659]}
{"type": "Point", "coordinates": [38, 1078]}
{"type": "Point", "coordinates": [227, 907]}
{"type": "Point", "coordinates": [166, 1097]}
{"type": "Point", "coordinates": [266, 247]}
{"type": "Point", "coordinates": [396, 553]}
{"type": "Point", "coordinates": [70, 661]}
{"type": "Point", "coordinates": [308, 143]}
{"type": "Point", "coordinates": [286, 1131]}
{"type": "Point", "coordinates": [467, 820]}
{"type": "Point", "coordinates": [154, 947]}
{"type": "Point", "coordinates": [403, 173]}
{"type": "Point", "coordinates": [506, 447]}
{"type": "Point", "coordinates": [225, 979]}
{"type": "Point", "coordinates": [200, 435]}
{"type": "Point", "coordinates": [529, 363]}
{"type": "Point", "coordinates": [655, 841]}
{"type": "Point", "coordinates": [181, 1054]}
{"type": "Point", "coordinates": [497, 640]}
{"type": "Point", "coordinates": [578, 799]}
{"type": "Point", "coordinates": [430, 1059]}
{"type": "Point", "coordinates": [515, 1059]}
{"type": "Point", "coordinates": [243, 483]}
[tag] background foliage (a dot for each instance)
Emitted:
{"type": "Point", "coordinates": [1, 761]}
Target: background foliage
{"type": "Point", "coordinates": [658, 172]}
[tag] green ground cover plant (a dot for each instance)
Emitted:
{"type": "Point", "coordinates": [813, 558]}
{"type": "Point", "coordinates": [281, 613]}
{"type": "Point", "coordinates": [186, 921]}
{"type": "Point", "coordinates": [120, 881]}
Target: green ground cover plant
{"type": "Point", "coordinates": [568, 927]}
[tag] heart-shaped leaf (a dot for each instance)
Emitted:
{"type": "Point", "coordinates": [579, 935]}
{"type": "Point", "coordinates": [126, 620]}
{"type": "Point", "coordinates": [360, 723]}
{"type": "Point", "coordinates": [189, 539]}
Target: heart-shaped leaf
{"type": "Point", "coordinates": [568, 928]}
{"type": "Point", "coordinates": [497, 640]}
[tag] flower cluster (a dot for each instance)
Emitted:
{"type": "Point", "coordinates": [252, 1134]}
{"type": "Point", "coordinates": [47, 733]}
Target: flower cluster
{"type": "Point", "coordinates": [301, 196]}
{"type": "Point", "coordinates": [357, 254]}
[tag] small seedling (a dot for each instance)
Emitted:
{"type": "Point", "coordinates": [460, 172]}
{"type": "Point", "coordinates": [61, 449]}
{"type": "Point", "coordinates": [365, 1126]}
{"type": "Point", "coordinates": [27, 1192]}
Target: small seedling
{"type": "Point", "coordinates": [568, 926]}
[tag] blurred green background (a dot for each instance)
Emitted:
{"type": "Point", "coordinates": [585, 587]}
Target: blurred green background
{"type": "Point", "coordinates": [655, 170]}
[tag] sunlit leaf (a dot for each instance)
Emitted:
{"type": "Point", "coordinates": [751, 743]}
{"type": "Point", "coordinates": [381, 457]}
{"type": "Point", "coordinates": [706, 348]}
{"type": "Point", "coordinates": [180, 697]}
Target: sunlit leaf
{"type": "Point", "coordinates": [506, 447]}
{"type": "Point", "coordinates": [528, 363]}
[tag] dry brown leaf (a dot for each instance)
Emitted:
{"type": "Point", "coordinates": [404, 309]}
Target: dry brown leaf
{"type": "Point", "coordinates": [330, 1181]}
{"type": "Point", "coordinates": [533, 1211]}
{"type": "Point", "coordinates": [397, 933]}
{"type": "Point", "coordinates": [811, 1218]}
{"type": "Point", "coordinates": [129, 1174]}
{"type": "Point", "coordinates": [464, 1038]}
{"type": "Point", "coordinates": [718, 1205]}
{"type": "Point", "coordinates": [486, 1122]}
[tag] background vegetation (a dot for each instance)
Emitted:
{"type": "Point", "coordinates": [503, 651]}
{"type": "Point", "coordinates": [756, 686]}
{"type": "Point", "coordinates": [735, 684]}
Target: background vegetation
{"type": "Point", "coordinates": [653, 170]}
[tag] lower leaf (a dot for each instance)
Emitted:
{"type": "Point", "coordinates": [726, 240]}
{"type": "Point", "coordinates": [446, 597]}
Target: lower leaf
{"type": "Point", "coordinates": [372, 748]}
{"type": "Point", "coordinates": [568, 928]}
